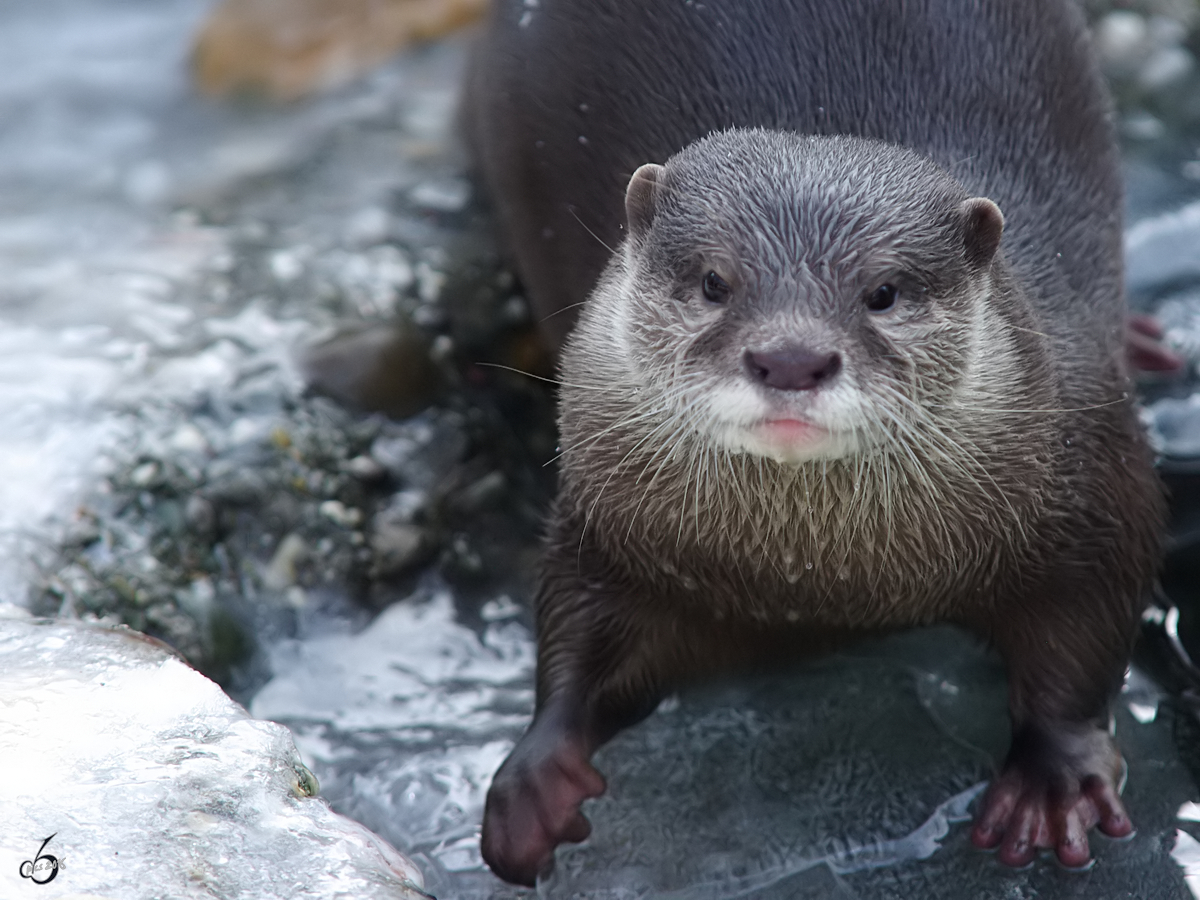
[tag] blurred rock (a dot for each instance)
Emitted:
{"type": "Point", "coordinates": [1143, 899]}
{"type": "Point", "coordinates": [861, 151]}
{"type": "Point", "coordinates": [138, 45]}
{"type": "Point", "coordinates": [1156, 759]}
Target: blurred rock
{"type": "Point", "coordinates": [280, 572]}
{"type": "Point", "coordinates": [200, 515]}
{"type": "Point", "coordinates": [376, 368]}
{"type": "Point", "coordinates": [365, 468]}
{"type": "Point", "coordinates": [284, 49]}
{"type": "Point", "coordinates": [397, 546]}
{"type": "Point", "coordinates": [423, 451]}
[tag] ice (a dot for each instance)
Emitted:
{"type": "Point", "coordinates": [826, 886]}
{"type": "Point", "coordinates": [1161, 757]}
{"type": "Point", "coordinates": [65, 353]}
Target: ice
{"type": "Point", "coordinates": [408, 719]}
{"type": "Point", "coordinates": [1186, 852]}
{"type": "Point", "coordinates": [143, 779]}
{"type": "Point", "coordinates": [832, 781]}
{"type": "Point", "coordinates": [414, 668]}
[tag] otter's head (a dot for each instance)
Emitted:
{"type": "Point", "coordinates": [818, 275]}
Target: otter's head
{"type": "Point", "coordinates": [797, 297]}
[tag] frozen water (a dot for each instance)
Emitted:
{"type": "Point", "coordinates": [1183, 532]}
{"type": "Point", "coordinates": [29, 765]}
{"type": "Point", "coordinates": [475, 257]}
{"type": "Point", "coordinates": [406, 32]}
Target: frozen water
{"type": "Point", "coordinates": [830, 782]}
{"type": "Point", "coordinates": [142, 779]}
{"type": "Point", "coordinates": [408, 720]}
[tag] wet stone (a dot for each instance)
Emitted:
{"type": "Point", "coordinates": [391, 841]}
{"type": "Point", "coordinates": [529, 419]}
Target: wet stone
{"type": "Point", "coordinates": [422, 451]}
{"type": "Point", "coordinates": [397, 547]}
{"type": "Point", "coordinates": [200, 515]}
{"type": "Point", "coordinates": [383, 368]}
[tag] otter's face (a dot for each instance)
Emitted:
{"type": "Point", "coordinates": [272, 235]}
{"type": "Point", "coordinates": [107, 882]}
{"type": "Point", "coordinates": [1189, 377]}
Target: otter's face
{"type": "Point", "coordinates": [802, 298]}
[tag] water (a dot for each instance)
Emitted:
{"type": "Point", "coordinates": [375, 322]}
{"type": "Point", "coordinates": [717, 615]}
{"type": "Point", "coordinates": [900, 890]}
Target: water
{"type": "Point", "coordinates": [169, 264]}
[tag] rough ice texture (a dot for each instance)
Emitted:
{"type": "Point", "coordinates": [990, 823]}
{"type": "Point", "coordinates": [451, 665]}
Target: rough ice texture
{"type": "Point", "coordinates": [852, 777]}
{"type": "Point", "coordinates": [409, 719]}
{"type": "Point", "coordinates": [153, 783]}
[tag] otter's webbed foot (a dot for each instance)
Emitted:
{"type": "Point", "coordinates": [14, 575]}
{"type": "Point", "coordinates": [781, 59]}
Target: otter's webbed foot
{"type": "Point", "coordinates": [1053, 789]}
{"type": "Point", "coordinates": [1144, 347]}
{"type": "Point", "coordinates": [533, 803]}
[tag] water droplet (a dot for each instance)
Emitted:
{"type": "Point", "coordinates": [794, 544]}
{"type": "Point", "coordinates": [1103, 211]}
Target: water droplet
{"type": "Point", "coordinates": [808, 565]}
{"type": "Point", "coordinates": [583, 140]}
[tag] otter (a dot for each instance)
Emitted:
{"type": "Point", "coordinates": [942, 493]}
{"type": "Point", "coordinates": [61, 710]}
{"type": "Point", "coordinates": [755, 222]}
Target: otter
{"type": "Point", "coordinates": [852, 361]}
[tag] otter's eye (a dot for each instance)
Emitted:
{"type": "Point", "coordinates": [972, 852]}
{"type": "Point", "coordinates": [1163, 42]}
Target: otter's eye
{"type": "Point", "coordinates": [716, 290]}
{"type": "Point", "coordinates": [882, 298]}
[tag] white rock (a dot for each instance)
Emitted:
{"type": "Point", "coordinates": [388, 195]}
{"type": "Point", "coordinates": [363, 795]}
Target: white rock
{"type": "Point", "coordinates": [150, 782]}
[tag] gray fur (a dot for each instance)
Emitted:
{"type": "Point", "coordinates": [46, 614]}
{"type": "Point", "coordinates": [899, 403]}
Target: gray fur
{"type": "Point", "coordinates": [985, 466]}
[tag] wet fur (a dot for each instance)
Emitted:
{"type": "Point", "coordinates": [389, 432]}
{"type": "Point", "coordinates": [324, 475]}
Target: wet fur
{"type": "Point", "coordinates": [995, 475]}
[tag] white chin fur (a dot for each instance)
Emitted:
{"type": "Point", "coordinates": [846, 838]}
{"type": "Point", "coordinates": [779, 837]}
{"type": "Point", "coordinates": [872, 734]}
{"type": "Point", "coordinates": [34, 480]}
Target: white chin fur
{"type": "Point", "coordinates": [830, 446]}
{"type": "Point", "coordinates": [735, 415]}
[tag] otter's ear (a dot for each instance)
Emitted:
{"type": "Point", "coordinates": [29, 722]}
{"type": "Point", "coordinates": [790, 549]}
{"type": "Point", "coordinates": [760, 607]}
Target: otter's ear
{"type": "Point", "coordinates": [983, 223]}
{"type": "Point", "coordinates": [641, 197]}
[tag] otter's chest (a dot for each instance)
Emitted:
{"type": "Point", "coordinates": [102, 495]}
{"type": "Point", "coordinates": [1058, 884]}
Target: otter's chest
{"type": "Point", "coordinates": [824, 551]}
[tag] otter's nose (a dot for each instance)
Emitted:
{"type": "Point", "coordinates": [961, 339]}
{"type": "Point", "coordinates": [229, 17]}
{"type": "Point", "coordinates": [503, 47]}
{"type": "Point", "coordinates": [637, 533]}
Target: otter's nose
{"type": "Point", "coordinates": [792, 368]}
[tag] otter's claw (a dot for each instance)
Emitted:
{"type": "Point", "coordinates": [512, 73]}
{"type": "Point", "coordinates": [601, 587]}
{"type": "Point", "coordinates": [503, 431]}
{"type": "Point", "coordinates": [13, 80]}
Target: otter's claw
{"type": "Point", "coordinates": [533, 806]}
{"type": "Point", "coordinates": [1022, 814]}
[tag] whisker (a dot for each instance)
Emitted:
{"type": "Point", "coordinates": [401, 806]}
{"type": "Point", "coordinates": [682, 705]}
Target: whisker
{"type": "Point", "coordinates": [997, 409]}
{"type": "Point", "coordinates": [575, 215]}
{"type": "Point", "coordinates": [555, 381]}
{"type": "Point", "coordinates": [562, 309]}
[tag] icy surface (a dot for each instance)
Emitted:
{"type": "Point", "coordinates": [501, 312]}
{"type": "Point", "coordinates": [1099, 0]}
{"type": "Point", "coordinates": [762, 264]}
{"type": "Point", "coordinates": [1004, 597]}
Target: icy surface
{"type": "Point", "coordinates": [163, 260]}
{"type": "Point", "coordinates": [149, 781]}
{"type": "Point", "coordinates": [831, 782]}
{"type": "Point", "coordinates": [409, 719]}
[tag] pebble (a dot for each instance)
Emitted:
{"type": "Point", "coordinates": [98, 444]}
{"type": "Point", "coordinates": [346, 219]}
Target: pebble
{"type": "Point", "coordinates": [280, 573]}
{"type": "Point", "coordinates": [189, 439]}
{"type": "Point", "coordinates": [340, 514]}
{"type": "Point", "coordinates": [145, 475]}
{"type": "Point", "coordinates": [200, 515]}
{"type": "Point", "coordinates": [287, 265]}
{"type": "Point", "coordinates": [396, 547]}
{"type": "Point", "coordinates": [481, 493]}
{"type": "Point", "coordinates": [240, 487]}
{"type": "Point", "coordinates": [1166, 67]}
{"type": "Point", "coordinates": [450, 195]}
{"type": "Point", "coordinates": [364, 468]}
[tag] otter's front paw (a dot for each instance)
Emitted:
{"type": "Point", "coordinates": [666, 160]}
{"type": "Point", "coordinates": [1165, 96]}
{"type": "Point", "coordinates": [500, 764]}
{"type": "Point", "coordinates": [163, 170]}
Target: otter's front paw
{"type": "Point", "coordinates": [1048, 796]}
{"type": "Point", "coordinates": [533, 806]}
